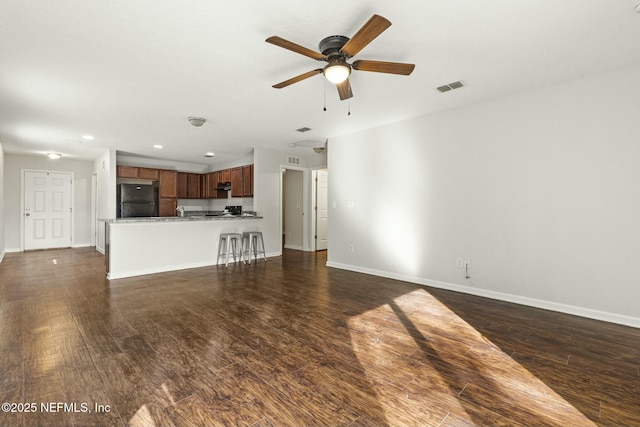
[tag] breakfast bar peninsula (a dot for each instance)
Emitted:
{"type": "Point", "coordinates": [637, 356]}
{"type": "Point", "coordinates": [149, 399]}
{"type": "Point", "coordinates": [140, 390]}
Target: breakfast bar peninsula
{"type": "Point", "coordinates": [137, 246]}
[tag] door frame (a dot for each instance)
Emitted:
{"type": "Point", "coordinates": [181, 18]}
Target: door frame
{"type": "Point", "coordinates": [314, 206]}
{"type": "Point", "coordinates": [23, 173]}
{"type": "Point", "coordinates": [305, 205]}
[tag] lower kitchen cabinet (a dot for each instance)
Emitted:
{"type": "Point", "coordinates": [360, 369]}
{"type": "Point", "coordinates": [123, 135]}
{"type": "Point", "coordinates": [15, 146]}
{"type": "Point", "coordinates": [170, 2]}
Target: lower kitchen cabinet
{"type": "Point", "coordinates": [168, 206]}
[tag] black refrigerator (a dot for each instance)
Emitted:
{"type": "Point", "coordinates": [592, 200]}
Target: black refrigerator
{"type": "Point", "coordinates": [137, 200]}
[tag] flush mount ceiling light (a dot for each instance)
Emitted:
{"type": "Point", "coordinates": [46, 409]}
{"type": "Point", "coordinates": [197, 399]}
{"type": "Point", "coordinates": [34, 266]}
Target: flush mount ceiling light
{"type": "Point", "coordinates": [54, 156]}
{"type": "Point", "coordinates": [209, 154]}
{"type": "Point", "coordinates": [88, 137]}
{"type": "Point", "coordinates": [196, 121]}
{"type": "Point", "coordinates": [158, 146]}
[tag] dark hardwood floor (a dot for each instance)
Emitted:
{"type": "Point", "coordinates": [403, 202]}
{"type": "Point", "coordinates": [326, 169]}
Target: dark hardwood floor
{"type": "Point", "coordinates": [293, 343]}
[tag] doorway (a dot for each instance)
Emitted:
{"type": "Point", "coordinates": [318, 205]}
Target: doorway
{"type": "Point", "coordinates": [293, 209]}
{"type": "Point", "coordinates": [47, 201]}
{"type": "Point", "coordinates": [320, 208]}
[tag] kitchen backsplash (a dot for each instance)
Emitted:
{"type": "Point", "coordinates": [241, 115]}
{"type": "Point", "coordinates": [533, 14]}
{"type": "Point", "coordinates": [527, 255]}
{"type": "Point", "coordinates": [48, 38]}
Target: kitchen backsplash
{"type": "Point", "coordinates": [216, 204]}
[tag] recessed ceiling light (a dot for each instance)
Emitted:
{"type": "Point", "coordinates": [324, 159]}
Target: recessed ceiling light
{"type": "Point", "coordinates": [209, 154]}
{"type": "Point", "coordinates": [158, 146]}
{"type": "Point", "coordinates": [88, 137]}
{"type": "Point", "coordinates": [54, 156]}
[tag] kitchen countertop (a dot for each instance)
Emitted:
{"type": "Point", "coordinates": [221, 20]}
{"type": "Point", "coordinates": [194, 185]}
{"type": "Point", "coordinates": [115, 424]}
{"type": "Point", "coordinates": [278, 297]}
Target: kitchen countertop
{"type": "Point", "coordinates": [178, 219]}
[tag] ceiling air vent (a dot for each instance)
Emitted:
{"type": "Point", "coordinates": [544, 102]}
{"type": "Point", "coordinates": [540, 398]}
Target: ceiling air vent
{"type": "Point", "coordinates": [304, 129]}
{"type": "Point", "coordinates": [451, 86]}
{"type": "Point", "coordinates": [293, 160]}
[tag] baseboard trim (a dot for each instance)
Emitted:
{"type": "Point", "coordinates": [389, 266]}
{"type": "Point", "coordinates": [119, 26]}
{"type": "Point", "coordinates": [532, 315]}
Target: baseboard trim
{"type": "Point", "coordinates": [12, 250]}
{"type": "Point", "coordinates": [2, 256]}
{"type": "Point", "coordinates": [516, 299]}
{"type": "Point", "coordinates": [295, 247]}
{"type": "Point", "coordinates": [142, 272]}
{"type": "Point", "coordinates": [81, 245]}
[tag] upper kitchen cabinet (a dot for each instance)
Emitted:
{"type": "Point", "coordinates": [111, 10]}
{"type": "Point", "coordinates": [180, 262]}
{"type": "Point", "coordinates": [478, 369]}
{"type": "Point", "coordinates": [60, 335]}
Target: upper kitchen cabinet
{"type": "Point", "coordinates": [139, 173]}
{"type": "Point", "coordinates": [247, 181]}
{"type": "Point", "coordinates": [189, 185]}
{"type": "Point", "coordinates": [182, 185]}
{"type": "Point", "coordinates": [147, 173]}
{"type": "Point", "coordinates": [168, 183]}
{"type": "Point", "coordinates": [193, 186]}
{"type": "Point", "coordinates": [236, 182]}
{"type": "Point", "coordinates": [127, 172]}
{"type": "Point", "coordinates": [224, 176]}
{"type": "Point", "coordinates": [212, 183]}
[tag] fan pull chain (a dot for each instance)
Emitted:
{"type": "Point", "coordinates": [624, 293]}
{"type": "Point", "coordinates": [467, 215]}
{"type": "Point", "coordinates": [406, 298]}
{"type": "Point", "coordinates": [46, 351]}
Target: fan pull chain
{"type": "Point", "coordinates": [349, 101]}
{"type": "Point", "coordinates": [324, 86]}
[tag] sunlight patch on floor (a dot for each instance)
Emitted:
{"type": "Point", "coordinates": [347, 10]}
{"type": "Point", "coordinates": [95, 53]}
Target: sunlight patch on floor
{"type": "Point", "coordinates": [427, 364]}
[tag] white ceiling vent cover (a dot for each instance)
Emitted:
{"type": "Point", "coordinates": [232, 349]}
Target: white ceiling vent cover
{"type": "Point", "coordinates": [293, 160]}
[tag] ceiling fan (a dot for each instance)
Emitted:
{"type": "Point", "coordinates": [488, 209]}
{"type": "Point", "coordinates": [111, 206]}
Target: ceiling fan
{"type": "Point", "coordinates": [336, 50]}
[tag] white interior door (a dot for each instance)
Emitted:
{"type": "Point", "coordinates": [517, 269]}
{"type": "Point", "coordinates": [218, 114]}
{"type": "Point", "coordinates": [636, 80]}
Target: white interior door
{"type": "Point", "coordinates": [322, 209]}
{"type": "Point", "coordinates": [47, 210]}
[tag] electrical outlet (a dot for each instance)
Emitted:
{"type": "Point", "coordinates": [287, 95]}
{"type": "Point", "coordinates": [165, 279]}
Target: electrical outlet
{"type": "Point", "coordinates": [351, 249]}
{"type": "Point", "coordinates": [459, 262]}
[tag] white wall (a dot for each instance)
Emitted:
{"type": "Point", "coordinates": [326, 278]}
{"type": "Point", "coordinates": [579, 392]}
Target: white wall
{"type": "Point", "coordinates": [2, 244]}
{"type": "Point", "coordinates": [13, 166]}
{"type": "Point", "coordinates": [266, 190]}
{"type": "Point", "coordinates": [540, 191]}
{"type": "Point", "coordinates": [105, 169]}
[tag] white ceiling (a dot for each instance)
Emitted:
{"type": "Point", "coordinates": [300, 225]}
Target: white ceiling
{"type": "Point", "coordinates": [130, 72]}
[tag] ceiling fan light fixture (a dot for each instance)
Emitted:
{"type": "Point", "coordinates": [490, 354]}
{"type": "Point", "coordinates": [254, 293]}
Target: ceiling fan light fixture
{"type": "Point", "coordinates": [54, 156]}
{"type": "Point", "coordinates": [337, 72]}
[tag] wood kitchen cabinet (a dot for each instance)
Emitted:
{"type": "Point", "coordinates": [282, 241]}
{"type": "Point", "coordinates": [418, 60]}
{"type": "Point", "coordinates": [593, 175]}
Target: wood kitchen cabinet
{"type": "Point", "coordinates": [182, 185]}
{"type": "Point", "coordinates": [137, 172]}
{"type": "Point", "coordinates": [168, 206]}
{"type": "Point", "coordinates": [189, 185]}
{"type": "Point", "coordinates": [168, 191]}
{"type": "Point", "coordinates": [193, 186]}
{"type": "Point", "coordinates": [224, 176]}
{"type": "Point", "coordinates": [127, 171]}
{"type": "Point", "coordinates": [212, 182]}
{"type": "Point", "coordinates": [168, 183]}
{"type": "Point", "coordinates": [247, 181]}
{"type": "Point", "coordinates": [203, 186]}
{"type": "Point", "coordinates": [148, 173]}
{"type": "Point", "coordinates": [236, 182]}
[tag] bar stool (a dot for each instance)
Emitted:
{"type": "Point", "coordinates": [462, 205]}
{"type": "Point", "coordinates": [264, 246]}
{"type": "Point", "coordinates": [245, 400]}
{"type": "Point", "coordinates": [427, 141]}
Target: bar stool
{"type": "Point", "coordinates": [231, 242]}
{"type": "Point", "coordinates": [250, 240]}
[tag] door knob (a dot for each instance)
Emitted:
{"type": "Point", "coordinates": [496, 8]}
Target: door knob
{"type": "Point", "coordinates": [27, 214]}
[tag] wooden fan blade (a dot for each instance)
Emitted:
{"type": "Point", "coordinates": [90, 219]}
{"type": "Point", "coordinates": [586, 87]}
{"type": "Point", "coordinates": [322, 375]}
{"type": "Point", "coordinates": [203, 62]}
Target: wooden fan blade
{"type": "Point", "coordinates": [344, 90]}
{"type": "Point", "coordinates": [296, 79]}
{"type": "Point", "coordinates": [279, 41]}
{"type": "Point", "coordinates": [383, 67]}
{"type": "Point", "coordinates": [369, 31]}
